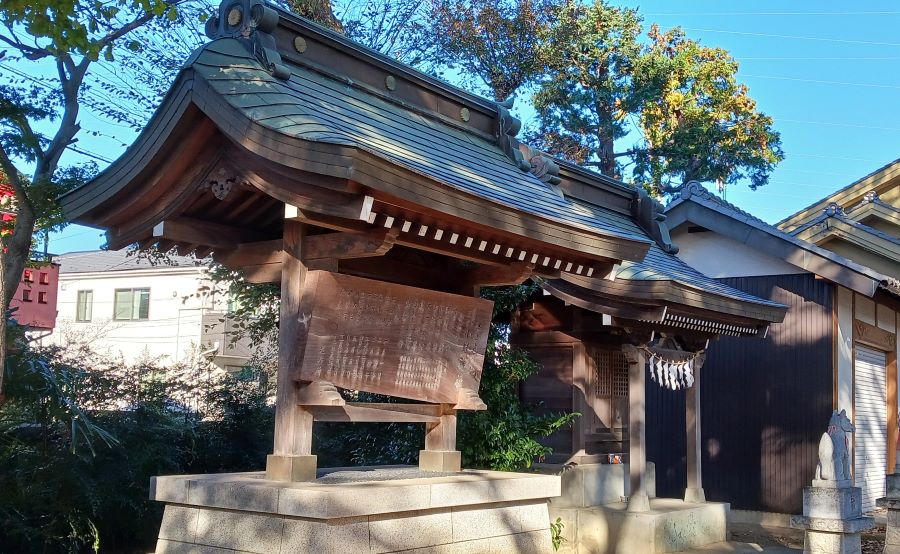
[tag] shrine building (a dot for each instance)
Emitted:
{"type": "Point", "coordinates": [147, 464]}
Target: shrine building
{"type": "Point", "coordinates": [382, 199]}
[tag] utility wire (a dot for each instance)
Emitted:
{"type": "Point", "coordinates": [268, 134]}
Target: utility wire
{"type": "Point", "coordinates": [793, 37]}
{"type": "Point", "coordinates": [831, 124]}
{"type": "Point", "coordinates": [771, 13]}
{"type": "Point", "coordinates": [821, 81]}
{"type": "Point", "coordinates": [816, 58]}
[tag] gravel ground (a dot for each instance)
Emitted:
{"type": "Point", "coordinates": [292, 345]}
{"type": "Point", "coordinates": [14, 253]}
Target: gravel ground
{"type": "Point", "coordinates": [872, 541]}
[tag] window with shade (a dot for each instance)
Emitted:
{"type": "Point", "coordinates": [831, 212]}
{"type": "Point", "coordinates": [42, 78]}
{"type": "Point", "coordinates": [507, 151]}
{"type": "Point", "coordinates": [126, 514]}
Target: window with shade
{"type": "Point", "coordinates": [84, 306]}
{"type": "Point", "coordinates": [132, 304]}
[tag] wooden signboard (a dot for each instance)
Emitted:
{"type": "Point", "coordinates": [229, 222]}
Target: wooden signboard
{"type": "Point", "coordinates": [395, 340]}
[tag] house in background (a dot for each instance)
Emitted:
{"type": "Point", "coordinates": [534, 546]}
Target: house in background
{"type": "Point", "coordinates": [860, 222]}
{"type": "Point", "coordinates": [766, 403]}
{"type": "Point", "coordinates": [124, 305]}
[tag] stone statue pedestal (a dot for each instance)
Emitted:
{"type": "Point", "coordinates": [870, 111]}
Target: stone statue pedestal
{"type": "Point", "coordinates": [358, 510]}
{"type": "Point", "coordinates": [832, 518]}
{"type": "Point", "coordinates": [891, 501]}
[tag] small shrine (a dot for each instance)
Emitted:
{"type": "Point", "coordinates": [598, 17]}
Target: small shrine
{"type": "Point", "coordinates": [381, 200]}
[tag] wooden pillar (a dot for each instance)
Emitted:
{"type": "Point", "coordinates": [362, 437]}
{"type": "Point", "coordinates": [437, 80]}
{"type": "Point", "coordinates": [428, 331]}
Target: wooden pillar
{"type": "Point", "coordinates": [292, 459]}
{"type": "Point", "coordinates": [440, 452]}
{"type": "Point", "coordinates": [638, 500]}
{"type": "Point", "coordinates": [694, 491]}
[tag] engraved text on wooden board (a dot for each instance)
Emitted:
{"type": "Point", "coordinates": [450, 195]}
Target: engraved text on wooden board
{"type": "Point", "coordinates": [393, 339]}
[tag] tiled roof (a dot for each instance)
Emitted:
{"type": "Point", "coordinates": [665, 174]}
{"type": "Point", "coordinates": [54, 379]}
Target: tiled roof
{"type": "Point", "coordinates": [695, 192]}
{"type": "Point", "coordinates": [318, 108]}
{"type": "Point", "coordinates": [841, 216]}
{"type": "Point", "coordinates": [659, 265]}
{"type": "Point", "coordinates": [97, 261]}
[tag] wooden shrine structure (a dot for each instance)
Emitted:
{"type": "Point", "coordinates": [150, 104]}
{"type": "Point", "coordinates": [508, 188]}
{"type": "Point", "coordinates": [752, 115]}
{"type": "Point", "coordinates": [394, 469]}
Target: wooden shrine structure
{"type": "Point", "coordinates": [381, 199]}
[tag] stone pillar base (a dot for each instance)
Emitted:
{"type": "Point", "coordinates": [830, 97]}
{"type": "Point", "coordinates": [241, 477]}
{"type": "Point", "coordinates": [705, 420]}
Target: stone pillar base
{"type": "Point", "coordinates": [360, 510]}
{"type": "Point", "coordinates": [832, 518]}
{"type": "Point", "coordinates": [821, 542]}
{"type": "Point", "coordinates": [892, 502]}
{"type": "Point", "coordinates": [694, 495]}
{"type": "Point", "coordinates": [440, 460]}
{"type": "Point", "coordinates": [638, 503]}
{"type": "Point", "coordinates": [290, 468]}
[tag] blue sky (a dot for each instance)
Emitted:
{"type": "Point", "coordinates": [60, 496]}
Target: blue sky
{"type": "Point", "coordinates": [827, 71]}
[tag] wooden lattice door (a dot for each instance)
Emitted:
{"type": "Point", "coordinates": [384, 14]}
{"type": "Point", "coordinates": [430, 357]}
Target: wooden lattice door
{"type": "Point", "coordinates": [606, 395]}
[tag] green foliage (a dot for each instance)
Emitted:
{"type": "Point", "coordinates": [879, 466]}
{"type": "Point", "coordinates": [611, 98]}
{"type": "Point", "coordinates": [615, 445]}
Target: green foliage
{"type": "Point", "coordinates": [556, 529]}
{"type": "Point", "coordinates": [253, 307]}
{"type": "Point", "coordinates": [696, 121]}
{"type": "Point", "coordinates": [585, 95]}
{"type": "Point", "coordinates": [78, 27]}
{"type": "Point", "coordinates": [78, 446]}
{"type": "Point", "coordinates": [499, 42]}
{"type": "Point", "coordinates": [505, 436]}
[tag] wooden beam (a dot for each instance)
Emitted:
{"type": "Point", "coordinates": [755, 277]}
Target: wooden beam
{"type": "Point", "coordinates": [263, 273]}
{"type": "Point", "coordinates": [343, 246]}
{"type": "Point", "coordinates": [261, 261]}
{"type": "Point", "coordinates": [206, 233]}
{"type": "Point", "coordinates": [251, 254]}
{"type": "Point", "coordinates": [378, 412]}
{"type": "Point", "coordinates": [513, 274]}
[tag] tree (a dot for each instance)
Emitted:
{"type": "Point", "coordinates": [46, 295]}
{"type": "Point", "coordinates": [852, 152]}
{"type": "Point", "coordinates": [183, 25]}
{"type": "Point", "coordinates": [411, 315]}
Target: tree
{"type": "Point", "coordinates": [698, 122]}
{"type": "Point", "coordinates": [496, 41]}
{"type": "Point", "coordinates": [397, 28]}
{"type": "Point", "coordinates": [585, 98]}
{"type": "Point", "coordinates": [67, 37]}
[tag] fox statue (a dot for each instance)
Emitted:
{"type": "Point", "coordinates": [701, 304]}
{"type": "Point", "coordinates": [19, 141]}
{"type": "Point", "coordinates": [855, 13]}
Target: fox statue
{"type": "Point", "coordinates": [834, 449]}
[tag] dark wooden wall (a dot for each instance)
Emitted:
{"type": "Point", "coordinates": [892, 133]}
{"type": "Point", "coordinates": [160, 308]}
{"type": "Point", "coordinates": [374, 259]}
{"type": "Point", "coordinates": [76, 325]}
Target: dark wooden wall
{"type": "Point", "coordinates": [765, 404]}
{"type": "Point", "coordinates": [551, 390]}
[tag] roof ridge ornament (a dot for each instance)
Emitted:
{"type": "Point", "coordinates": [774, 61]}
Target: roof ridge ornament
{"type": "Point", "coordinates": [526, 158]}
{"type": "Point", "coordinates": [252, 22]}
{"type": "Point", "coordinates": [648, 213]}
{"type": "Point", "coordinates": [833, 209]}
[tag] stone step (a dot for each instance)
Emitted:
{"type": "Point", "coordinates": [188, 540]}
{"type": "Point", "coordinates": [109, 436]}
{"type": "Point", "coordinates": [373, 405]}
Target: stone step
{"type": "Point", "coordinates": [731, 547]}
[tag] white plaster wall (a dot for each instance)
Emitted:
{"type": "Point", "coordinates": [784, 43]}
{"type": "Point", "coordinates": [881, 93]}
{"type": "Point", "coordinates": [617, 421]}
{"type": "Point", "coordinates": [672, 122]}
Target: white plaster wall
{"type": "Point", "coordinates": [719, 256]}
{"type": "Point", "coordinates": [175, 321]}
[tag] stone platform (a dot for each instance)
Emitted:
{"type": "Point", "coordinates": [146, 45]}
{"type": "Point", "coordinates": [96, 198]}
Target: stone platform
{"type": "Point", "coordinates": [670, 526]}
{"type": "Point", "coordinates": [586, 485]}
{"type": "Point", "coordinates": [358, 511]}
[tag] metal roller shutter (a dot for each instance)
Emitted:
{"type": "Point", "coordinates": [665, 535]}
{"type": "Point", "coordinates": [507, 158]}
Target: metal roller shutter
{"type": "Point", "coordinates": [870, 418]}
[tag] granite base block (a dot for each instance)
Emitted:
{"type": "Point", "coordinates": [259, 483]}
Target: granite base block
{"type": "Point", "coordinates": [669, 526]}
{"type": "Point", "coordinates": [586, 485]}
{"type": "Point", "coordinates": [470, 512]}
{"type": "Point", "coordinates": [832, 519]}
{"type": "Point", "coordinates": [891, 501]}
{"type": "Point", "coordinates": [832, 502]}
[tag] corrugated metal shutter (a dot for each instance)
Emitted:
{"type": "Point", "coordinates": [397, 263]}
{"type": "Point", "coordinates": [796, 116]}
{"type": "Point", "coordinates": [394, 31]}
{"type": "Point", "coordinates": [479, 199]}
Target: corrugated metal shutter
{"type": "Point", "coordinates": [870, 418]}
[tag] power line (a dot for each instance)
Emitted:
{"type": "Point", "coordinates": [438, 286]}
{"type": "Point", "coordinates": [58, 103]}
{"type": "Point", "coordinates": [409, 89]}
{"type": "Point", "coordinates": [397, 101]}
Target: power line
{"type": "Point", "coordinates": [817, 58]}
{"type": "Point", "coordinates": [771, 13]}
{"type": "Point", "coordinates": [830, 124]}
{"type": "Point", "coordinates": [831, 157]}
{"type": "Point", "coordinates": [821, 81]}
{"type": "Point", "coordinates": [794, 37]}
{"type": "Point", "coordinates": [89, 155]}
